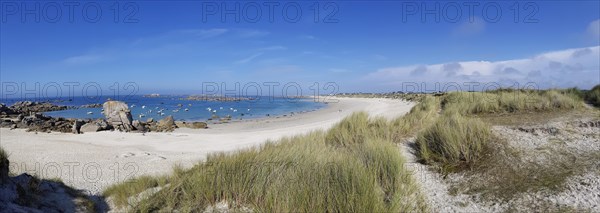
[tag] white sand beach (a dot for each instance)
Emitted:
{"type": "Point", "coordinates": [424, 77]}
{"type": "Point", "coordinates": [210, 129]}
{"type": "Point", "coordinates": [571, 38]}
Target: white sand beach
{"type": "Point", "coordinates": [93, 161]}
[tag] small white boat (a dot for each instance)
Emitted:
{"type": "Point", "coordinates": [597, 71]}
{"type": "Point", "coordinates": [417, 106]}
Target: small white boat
{"type": "Point", "coordinates": [89, 113]}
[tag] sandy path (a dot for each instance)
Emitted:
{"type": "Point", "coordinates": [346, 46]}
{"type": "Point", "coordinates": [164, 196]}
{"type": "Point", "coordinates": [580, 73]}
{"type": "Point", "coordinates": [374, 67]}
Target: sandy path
{"type": "Point", "coordinates": [93, 161]}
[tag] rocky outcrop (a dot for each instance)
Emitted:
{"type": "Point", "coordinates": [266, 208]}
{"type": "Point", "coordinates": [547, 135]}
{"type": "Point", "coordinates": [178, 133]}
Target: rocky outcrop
{"type": "Point", "coordinates": [118, 115]}
{"type": "Point", "coordinates": [191, 125]}
{"type": "Point", "coordinates": [37, 122]}
{"type": "Point", "coordinates": [4, 110]}
{"type": "Point", "coordinates": [25, 193]}
{"type": "Point", "coordinates": [91, 106]}
{"type": "Point", "coordinates": [95, 126]}
{"type": "Point", "coordinates": [27, 107]}
{"type": "Point", "coordinates": [90, 127]}
{"type": "Point", "coordinates": [216, 98]}
{"type": "Point", "coordinates": [138, 125]}
{"type": "Point", "coordinates": [166, 124]}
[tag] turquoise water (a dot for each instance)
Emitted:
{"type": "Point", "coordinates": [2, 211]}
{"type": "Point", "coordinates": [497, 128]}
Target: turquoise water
{"type": "Point", "coordinates": [143, 108]}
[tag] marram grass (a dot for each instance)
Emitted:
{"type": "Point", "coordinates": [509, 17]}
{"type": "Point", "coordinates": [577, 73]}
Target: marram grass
{"type": "Point", "coordinates": [502, 101]}
{"type": "Point", "coordinates": [419, 117]}
{"type": "Point", "coordinates": [352, 168]}
{"type": "Point", "coordinates": [454, 141]}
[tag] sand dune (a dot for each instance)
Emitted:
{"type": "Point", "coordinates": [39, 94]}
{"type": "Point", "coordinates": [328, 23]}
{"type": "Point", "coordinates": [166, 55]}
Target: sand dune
{"type": "Point", "coordinates": [93, 161]}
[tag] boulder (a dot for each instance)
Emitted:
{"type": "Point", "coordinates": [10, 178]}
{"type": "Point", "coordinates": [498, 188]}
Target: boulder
{"type": "Point", "coordinates": [103, 124]}
{"type": "Point", "coordinates": [138, 125]}
{"type": "Point", "coordinates": [118, 115]}
{"type": "Point", "coordinates": [6, 123]}
{"type": "Point", "coordinates": [90, 127]}
{"type": "Point", "coordinates": [20, 117]}
{"type": "Point", "coordinates": [26, 193]}
{"type": "Point", "coordinates": [198, 125]}
{"type": "Point", "coordinates": [193, 125]}
{"type": "Point", "coordinates": [77, 126]}
{"type": "Point", "coordinates": [4, 110]}
{"type": "Point", "coordinates": [166, 124]}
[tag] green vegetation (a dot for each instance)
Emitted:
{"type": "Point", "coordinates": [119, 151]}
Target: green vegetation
{"type": "Point", "coordinates": [120, 194]}
{"type": "Point", "coordinates": [356, 129]}
{"type": "Point", "coordinates": [458, 140]}
{"type": "Point", "coordinates": [510, 101]}
{"type": "Point", "coordinates": [510, 173]}
{"type": "Point", "coordinates": [352, 168]}
{"type": "Point", "coordinates": [356, 166]}
{"type": "Point", "coordinates": [3, 158]}
{"type": "Point", "coordinates": [420, 116]}
{"type": "Point", "coordinates": [454, 141]}
{"type": "Point", "coordinates": [593, 96]}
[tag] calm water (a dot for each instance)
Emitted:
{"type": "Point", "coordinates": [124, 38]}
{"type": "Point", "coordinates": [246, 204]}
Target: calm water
{"type": "Point", "coordinates": [197, 110]}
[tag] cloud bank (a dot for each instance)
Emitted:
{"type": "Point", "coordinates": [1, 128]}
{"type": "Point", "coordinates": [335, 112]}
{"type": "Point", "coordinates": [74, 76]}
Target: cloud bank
{"type": "Point", "coordinates": [579, 67]}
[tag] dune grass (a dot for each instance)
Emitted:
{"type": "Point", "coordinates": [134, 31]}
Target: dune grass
{"type": "Point", "coordinates": [121, 194]}
{"type": "Point", "coordinates": [353, 167]}
{"type": "Point", "coordinates": [593, 96]}
{"type": "Point", "coordinates": [510, 101]}
{"type": "Point", "coordinates": [454, 141]}
{"type": "Point", "coordinates": [3, 158]}
{"type": "Point", "coordinates": [458, 139]}
{"type": "Point", "coordinates": [419, 117]}
{"type": "Point", "coordinates": [4, 166]}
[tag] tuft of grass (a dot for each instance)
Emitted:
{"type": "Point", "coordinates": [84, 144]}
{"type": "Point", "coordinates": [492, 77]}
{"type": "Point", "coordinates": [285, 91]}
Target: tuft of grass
{"type": "Point", "coordinates": [353, 167]}
{"type": "Point", "coordinates": [120, 192]}
{"type": "Point", "coordinates": [419, 117]}
{"type": "Point", "coordinates": [357, 128]}
{"type": "Point", "coordinates": [3, 159]}
{"type": "Point", "coordinates": [454, 141]}
{"type": "Point", "coordinates": [593, 96]}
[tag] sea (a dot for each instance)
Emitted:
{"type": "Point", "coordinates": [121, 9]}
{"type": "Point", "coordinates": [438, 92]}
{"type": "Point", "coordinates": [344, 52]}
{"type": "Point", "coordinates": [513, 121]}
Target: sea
{"type": "Point", "coordinates": [144, 107]}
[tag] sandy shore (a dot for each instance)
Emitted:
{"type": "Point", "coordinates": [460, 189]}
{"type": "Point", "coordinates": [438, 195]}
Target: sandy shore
{"type": "Point", "coordinates": [93, 161]}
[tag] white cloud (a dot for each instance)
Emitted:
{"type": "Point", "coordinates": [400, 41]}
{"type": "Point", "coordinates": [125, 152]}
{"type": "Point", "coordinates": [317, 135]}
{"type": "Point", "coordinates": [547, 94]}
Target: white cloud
{"type": "Point", "coordinates": [564, 68]}
{"type": "Point", "coordinates": [252, 33]}
{"type": "Point", "coordinates": [205, 33]}
{"type": "Point", "coordinates": [337, 70]}
{"type": "Point", "coordinates": [248, 59]}
{"type": "Point", "coordinates": [82, 59]}
{"type": "Point", "coordinates": [270, 48]}
{"type": "Point", "coordinates": [470, 27]}
{"type": "Point", "coordinates": [593, 30]}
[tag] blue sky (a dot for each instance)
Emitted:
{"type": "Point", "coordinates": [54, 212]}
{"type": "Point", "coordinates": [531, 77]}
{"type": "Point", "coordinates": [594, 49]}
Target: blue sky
{"type": "Point", "coordinates": [368, 47]}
